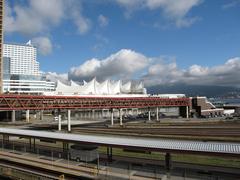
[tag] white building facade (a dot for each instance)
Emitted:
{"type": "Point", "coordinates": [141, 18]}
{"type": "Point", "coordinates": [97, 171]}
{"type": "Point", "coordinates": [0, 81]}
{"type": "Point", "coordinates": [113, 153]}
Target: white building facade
{"type": "Point", "coordinates": [23, 58]}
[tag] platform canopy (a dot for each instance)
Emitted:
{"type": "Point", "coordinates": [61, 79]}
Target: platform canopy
{"type": "Point", "coordinates": [147, 143]}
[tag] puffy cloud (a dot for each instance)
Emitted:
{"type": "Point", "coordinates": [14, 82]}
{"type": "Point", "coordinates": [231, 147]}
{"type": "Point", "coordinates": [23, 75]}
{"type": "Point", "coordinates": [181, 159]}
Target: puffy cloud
{"type": "Point", "coordinates": [174, 10]}
{"type": "Point", "coordinates": [128, 64]}
{"type": "Point", "coordinates": [37, 16]}
{"type": "Point", "coordinates": [51, 11]}
{"type": "Point", "coordinates": [162, 73]}
{"type": "Point", "coordinates": [196, 70]}
{"type": "Point", "coordinates": [74, 9]}
{"type": "Point", "coordinates": [122, 64]}
{"type": "Point", "coordinates": [103, 20]}
{"type": "Point", "coordinates": [43, 44]}
{"type": "Point", "coordinates": [53, 76]}
{"type": "Point", "coordinates": [226, 74]}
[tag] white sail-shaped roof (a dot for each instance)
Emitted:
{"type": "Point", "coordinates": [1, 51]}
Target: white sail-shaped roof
{"type": "Point", "coordinates": [126, 88]}
{"type": "Point", "coordinates": [84, 82]}
{"type": "Point", "coordinates": [102, 88]}
{"type": "Point", "coordinates": [114, 87]}
{"type": "Point", "coordinates": [74, 84]}
{"type": "Point", "coordinates": [88, 88]}
{"type": "Point", "coordinates": [140, 86]}
{"type": "Point", "coordinates": [95, 88]}
{"type": "Point", "coordinates": [63, 88]}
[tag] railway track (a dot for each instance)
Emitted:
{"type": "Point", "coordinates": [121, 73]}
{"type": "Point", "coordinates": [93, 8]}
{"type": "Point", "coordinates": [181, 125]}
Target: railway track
{"type": "Point", "coordinates": [219, 132]}
{"type": "Point", "coordinates": [52, 169]}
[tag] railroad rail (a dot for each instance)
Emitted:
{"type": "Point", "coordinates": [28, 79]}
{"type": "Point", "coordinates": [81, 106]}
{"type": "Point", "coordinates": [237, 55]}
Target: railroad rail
{"type": "Point", "coordinates": [219, 132]}
{"type": "Point", "coordinates": [69, 170]}
{"type": "Point", "coordinates": [39, 102]}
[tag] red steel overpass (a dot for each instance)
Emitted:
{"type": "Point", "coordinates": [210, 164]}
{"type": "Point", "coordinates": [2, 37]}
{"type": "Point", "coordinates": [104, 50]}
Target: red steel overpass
{"type": "Point", "coordinates": [39, 102]}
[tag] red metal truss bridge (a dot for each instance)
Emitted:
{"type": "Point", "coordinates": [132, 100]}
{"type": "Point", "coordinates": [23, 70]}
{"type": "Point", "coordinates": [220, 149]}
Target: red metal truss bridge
{"type": "Point", "coordinates": [39, 102]}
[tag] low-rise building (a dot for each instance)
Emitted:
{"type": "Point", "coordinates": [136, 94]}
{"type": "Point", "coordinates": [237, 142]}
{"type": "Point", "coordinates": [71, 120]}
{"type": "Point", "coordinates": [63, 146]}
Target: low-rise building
{"type": "Point", "coordinates": [201, 107]}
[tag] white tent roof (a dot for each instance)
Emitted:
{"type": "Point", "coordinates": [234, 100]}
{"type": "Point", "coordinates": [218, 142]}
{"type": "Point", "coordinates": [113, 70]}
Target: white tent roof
{"type": "Point", "coordinates": [63, 88]}
{"type": "Point", "coordinates": [74, 84]}
{"type": "Point", "coordinates": [115, 87]}
{"type": "Point", "coordinates": [126, 88]}
{"type": "Point", "coordinates": [102, 88]}
{"type": "Point", "coordinates": [93, 87]}
{"type": "Point", "coordinates": [89, 88]}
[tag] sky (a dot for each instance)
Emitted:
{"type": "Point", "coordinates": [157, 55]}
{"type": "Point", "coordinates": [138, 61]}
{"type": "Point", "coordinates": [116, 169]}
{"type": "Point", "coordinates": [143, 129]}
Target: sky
{"type": "Point", "coordinates": [158, 42]}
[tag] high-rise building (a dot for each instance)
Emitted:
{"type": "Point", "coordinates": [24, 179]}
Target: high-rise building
{"type": "Point", "coordinates": [23, 58]}
{"type": "Point", "coordinates": [6, 65]}
{"type": "Point", "coordinates": [1, 44]}
{"type": "Point", "coordinates": [21, 70]}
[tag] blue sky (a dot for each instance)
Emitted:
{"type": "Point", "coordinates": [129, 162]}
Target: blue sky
{"type": "Point", "coordinates": [169, 41]}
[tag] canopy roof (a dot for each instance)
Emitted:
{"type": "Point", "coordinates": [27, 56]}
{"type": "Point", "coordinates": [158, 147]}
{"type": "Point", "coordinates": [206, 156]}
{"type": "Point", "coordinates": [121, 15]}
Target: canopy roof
{"type": "Point", "coordinates": [94, 87]}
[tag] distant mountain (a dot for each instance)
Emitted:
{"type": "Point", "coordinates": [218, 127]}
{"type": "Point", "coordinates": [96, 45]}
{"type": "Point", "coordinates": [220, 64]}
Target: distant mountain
{"type": "Point", "coordinates": [193, 90]}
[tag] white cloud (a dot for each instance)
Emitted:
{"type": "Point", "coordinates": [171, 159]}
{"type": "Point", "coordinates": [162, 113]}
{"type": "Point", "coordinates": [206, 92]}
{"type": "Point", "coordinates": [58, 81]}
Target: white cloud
{"type": "Point", "coordinates": [122, 64]}
{"type": "Point", "coordinates": [231, 4]}
{"type": "Point", "coordinates": [103, 20]}
{"type": "Point", "coordinates": [162, 73]}
{"type": "Point", "coordinates": [128, 64]}
{"type": "Point", "coordinates": [101, 42]}
{"type": "Point", "coordinates": [226, 74]}
{"type": "Point", "coordinates": [186, 22]}
{"type": "Point", "coordinates": [25, 21]}
{"type": "Point", "coordinates": [43, 44]}
{"type": "Point", "coordinates": [37, 16]}
{"type": "Point", "coordinates": [74, 11]}
{"type": "Point", "coordinates": [53, 76]}
{"type": "Point", "coordinates": [51, 11]}
{"type": "Point", "coordinates": [173, 10]}
{"type": "Point", "coordinates": [196, 70]}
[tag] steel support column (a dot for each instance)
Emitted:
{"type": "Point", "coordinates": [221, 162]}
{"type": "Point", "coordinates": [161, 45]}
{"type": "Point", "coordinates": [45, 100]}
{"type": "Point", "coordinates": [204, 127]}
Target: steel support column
{"type": "Point", "coordinates": [65, 149]}
{"type": "Point", "coordinates": [41, 114]}
{"type": "Point", "coordinates": [59, 122]}
{"type": "Point", "coordinates": [112, 122]}
{"type": "Point", "coordinates": [27, 115]}
{"type": "Point", "coordinates": [13, 116]}
{"type": "Point", "coordinates": [149, 114]}
{"type": "Point", "coordinates": [168, 163]}
{"type": "Point", "coordinates": [120, 116]}
{"type": "Point", "coordinates": [93, 114]}
{"type": "Point", "coordinates": [30, 144]}
{"type": "Point", "coordinates": [34, 145]}
{"type": "Point", "coordinates": [69, 120]}
{"type": "Point", "coordinates": [109, 154]}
